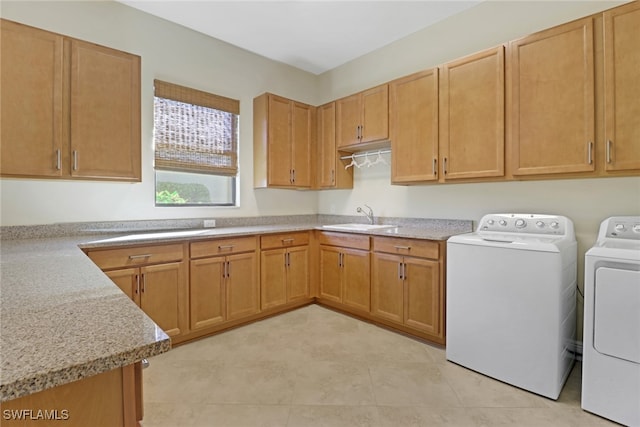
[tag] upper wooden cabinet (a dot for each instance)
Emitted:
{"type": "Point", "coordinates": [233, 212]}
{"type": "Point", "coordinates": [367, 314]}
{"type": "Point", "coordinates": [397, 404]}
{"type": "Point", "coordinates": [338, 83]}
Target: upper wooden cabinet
{"type": "Point", "coordinates": [362, 118]}
{"type": "Point", "coordinates": [70, 109]}
{"type": "Point", "coordinates": [283, 138]}
{"type": "Point", "coordinates": [552, 100]}
{"type": "Point", "coordinates": [331, 172]}
{"type": "Point", "coordinates": [472, 116]}
{"type": "Point", "coordinates": [622, 87]}
{"type": "Point", "coordinates": [413, 124]}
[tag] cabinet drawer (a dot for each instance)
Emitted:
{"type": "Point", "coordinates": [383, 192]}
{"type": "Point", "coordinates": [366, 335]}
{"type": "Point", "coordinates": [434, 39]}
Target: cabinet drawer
{"type": "Point", "coordinates": [223, 246]}
{"type": "Point", "coordinates": [356, 241]}
{"type": "Point", "coordinates": [134, 256]}
{"type": "Point", "coordinates": [284, 240]}
{"type": "Point", "coordinates": [410, 247]}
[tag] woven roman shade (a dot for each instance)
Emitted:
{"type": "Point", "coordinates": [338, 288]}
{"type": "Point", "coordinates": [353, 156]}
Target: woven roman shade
{"type": "Point", "coordinates": [194, 131]}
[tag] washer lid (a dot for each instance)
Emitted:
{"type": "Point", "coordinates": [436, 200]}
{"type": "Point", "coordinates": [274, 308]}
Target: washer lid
{"type": "Point", "coordinates": [509, 240]}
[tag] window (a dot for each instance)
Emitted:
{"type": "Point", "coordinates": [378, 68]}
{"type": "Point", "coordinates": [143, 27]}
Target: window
{"type": "Point", "coordinates": [195, 139]}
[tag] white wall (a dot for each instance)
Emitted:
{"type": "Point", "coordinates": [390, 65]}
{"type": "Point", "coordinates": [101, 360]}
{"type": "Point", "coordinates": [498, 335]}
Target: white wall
{"type": "Point", "coordinates": [172, 53]}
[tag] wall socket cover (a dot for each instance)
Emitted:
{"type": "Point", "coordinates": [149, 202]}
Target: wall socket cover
{"type": "Point", "coordinates": [209, 223]}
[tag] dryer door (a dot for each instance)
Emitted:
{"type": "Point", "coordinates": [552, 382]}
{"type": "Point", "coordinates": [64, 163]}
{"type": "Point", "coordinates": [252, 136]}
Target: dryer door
{"type": "Point", "coordinates": [617, 313]}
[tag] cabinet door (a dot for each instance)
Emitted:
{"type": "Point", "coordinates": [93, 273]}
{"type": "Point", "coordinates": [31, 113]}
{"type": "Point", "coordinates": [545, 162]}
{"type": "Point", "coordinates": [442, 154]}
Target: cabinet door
{"type": "Point", "coordinates": [472, 117]}
{"type": "Point", "coordinates": [243, 289]}
{"type": "Point", "coordinates": [31, 104]}
{"type": "Point", "coordinates": [356, 279]}
{"type": "Point", "coordinates": [375, 114]}
{"type": "Point", "coordinates": [414, 127]}
{"type": "Point", "coordinates": [298, 273]}
{"type": "Point", "coordinates": [161, 295]}
{"type": "Point", "coordinates": [327, 153]}
{"type": "Point", "coordinates": [273, 280]}
{"type": "Point", "coordinates": [552, 104]}
{"type": "Point", "coordinates": [348, 121]}
{"type": "Point", "coordinates": [387, 293]}
{"type": "Point", "coordinates": [622, 87]}
{"type": "Point", "coordinates": [330, 273]}
{"type": "Point", "coordinates": [128, 280]}
{"type": "Point", "coordinates": [421, 295]}
{"type": "Point", "coordinates": [105, 113]}
{"type": "Point", "coordinates": [302, 133]}
{"type": "Point", "coordinates": [207, 294]}
{"type": "Point", "coordinates": [279, 144]}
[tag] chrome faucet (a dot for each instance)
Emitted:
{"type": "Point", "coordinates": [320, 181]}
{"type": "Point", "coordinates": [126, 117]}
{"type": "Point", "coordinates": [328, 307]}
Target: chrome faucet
{"type": "Point", "coordinates": [368, 215]}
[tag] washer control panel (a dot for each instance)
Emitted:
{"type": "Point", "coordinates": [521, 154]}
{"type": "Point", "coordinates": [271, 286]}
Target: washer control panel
{"type": "Point", "coordinates": [525, 223]}
{"type": "Point", "coordinates": [621, 227]}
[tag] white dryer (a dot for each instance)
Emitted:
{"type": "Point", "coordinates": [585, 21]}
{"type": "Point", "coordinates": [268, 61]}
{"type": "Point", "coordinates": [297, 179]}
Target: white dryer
{"type": "Point", "coordinates": [511, 298]}
{"type": "Point", "coordinates": [611, 342]}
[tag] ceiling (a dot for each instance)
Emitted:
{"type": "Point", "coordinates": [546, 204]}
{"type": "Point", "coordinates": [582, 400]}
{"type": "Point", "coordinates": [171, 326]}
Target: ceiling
{"type": "Point", "coordinates": [314, 36]}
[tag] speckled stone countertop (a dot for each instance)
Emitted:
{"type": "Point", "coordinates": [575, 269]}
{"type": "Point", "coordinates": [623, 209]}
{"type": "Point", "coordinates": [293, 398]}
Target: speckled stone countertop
{"type": "Point", "coordinates": [62, 319]}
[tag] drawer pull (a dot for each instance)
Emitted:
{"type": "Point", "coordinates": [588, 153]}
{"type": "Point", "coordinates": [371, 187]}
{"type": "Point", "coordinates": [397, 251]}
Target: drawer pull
{"type": "Point", "coordinates": [134, 257]}
{"type": "Point", "coordinates": [402, 248]}
{"type": "Point", "coordinates": [285, 241]}
{"type": "Point", "coordinates": [225, 247]}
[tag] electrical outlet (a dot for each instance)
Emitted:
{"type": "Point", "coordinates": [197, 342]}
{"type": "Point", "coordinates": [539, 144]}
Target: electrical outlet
{"type": "Point", "coordinates": [209, 223]}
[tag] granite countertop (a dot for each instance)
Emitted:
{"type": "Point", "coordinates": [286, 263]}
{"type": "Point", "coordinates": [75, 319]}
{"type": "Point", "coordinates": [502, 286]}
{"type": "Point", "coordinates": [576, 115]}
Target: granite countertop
{"type": "Point", "coordinates": [62, 319]}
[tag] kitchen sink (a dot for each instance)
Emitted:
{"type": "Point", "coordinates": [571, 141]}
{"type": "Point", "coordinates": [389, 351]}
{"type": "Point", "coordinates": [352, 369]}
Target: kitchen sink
{"type": "Point", "coordinates": [357, 227]}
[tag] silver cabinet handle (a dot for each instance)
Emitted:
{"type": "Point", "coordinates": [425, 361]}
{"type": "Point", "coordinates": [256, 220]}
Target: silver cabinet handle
{"type": "Point", "coordinates": [435, 166]}
{"type": "Point", "coordinates": [137, 284]}
{"type": "Point", "coordinates": [287, 241]}
{"type": "Point", "coordinates": [75, 160]}
{"type": "Point", "coordinates": [293, 175]}
{"type": "Point", "coordinates": [58, 159]}
{"type": "Point", "coordinates": [404, 271]}
{"type": "Point", "coordinates": [400, 270]}
{"type": "Point", "coordinates": [143, 283]}
{"type": "Point", "coordinates": [228, 269]}
{"type": "Point", "coordinates": [225, 247]}
{"type": "Point", "coordinates": [288, 259]}
{"type": "Point", "coordinates": [403, 248]}
{"type": "Point", "coordinates": [333, 176]}
{"type": "Point", "coordinates": [134, 257]}
{"type": "Point", "coordinates": [444, 165]}
{"type": "Point", "coordinates": [609, 144]}
{"type": "Point", "coordinates": [590, 149]}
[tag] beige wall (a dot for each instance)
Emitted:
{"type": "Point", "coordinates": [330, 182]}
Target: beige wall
{"type": "Point", "coordinates": [169, 52]}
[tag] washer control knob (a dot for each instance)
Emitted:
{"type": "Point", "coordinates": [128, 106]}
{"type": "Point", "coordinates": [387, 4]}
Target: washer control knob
{"type": "Point", "coordinates": [490, 222]}
{"type": "Point", "coordinates": [540, 224]}
{"type": "Point", "coordinates": [620, 227]}
{"type": "Point", "coordinates": [555, 224]}
{"type": "Point", "coordinates": [636, 228]}
{"type": "Point", "coordinates": [503, 222]}
{"type": "Point", "coordinates": [521, 223]}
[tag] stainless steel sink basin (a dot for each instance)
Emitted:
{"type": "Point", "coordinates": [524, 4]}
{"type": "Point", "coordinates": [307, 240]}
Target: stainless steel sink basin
{"type": "Point", "coordinates": [357, 227]}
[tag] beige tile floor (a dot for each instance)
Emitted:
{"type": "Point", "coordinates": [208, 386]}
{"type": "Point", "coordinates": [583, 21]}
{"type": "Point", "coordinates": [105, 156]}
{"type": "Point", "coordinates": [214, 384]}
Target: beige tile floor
{"type": "Point", "coordinates": [315, 367]}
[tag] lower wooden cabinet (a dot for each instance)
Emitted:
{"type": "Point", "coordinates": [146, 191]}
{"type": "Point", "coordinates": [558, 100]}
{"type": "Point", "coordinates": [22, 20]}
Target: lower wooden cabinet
{"type": "Point", "coordinates": [155, 278]}
{"type": "Point", "coordinates": [223, 287]}
{"type": "Point", "coordinates": [394, 281]}
{"type": "Point", "coordinates": [408, 290]}
{"type": "Point", "coordinates": [284, 269]}
{"type": "Point", "coordinates": [158, 291]}
{"type": "Point", "coordinates": [345, 270]}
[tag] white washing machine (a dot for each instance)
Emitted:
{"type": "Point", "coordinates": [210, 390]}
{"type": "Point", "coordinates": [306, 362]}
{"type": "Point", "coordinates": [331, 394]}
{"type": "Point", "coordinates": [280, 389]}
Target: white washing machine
{"type": "Point", "coordinates": [511, 300]}
{"type": "Point", "coordinates": [611, 343]}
